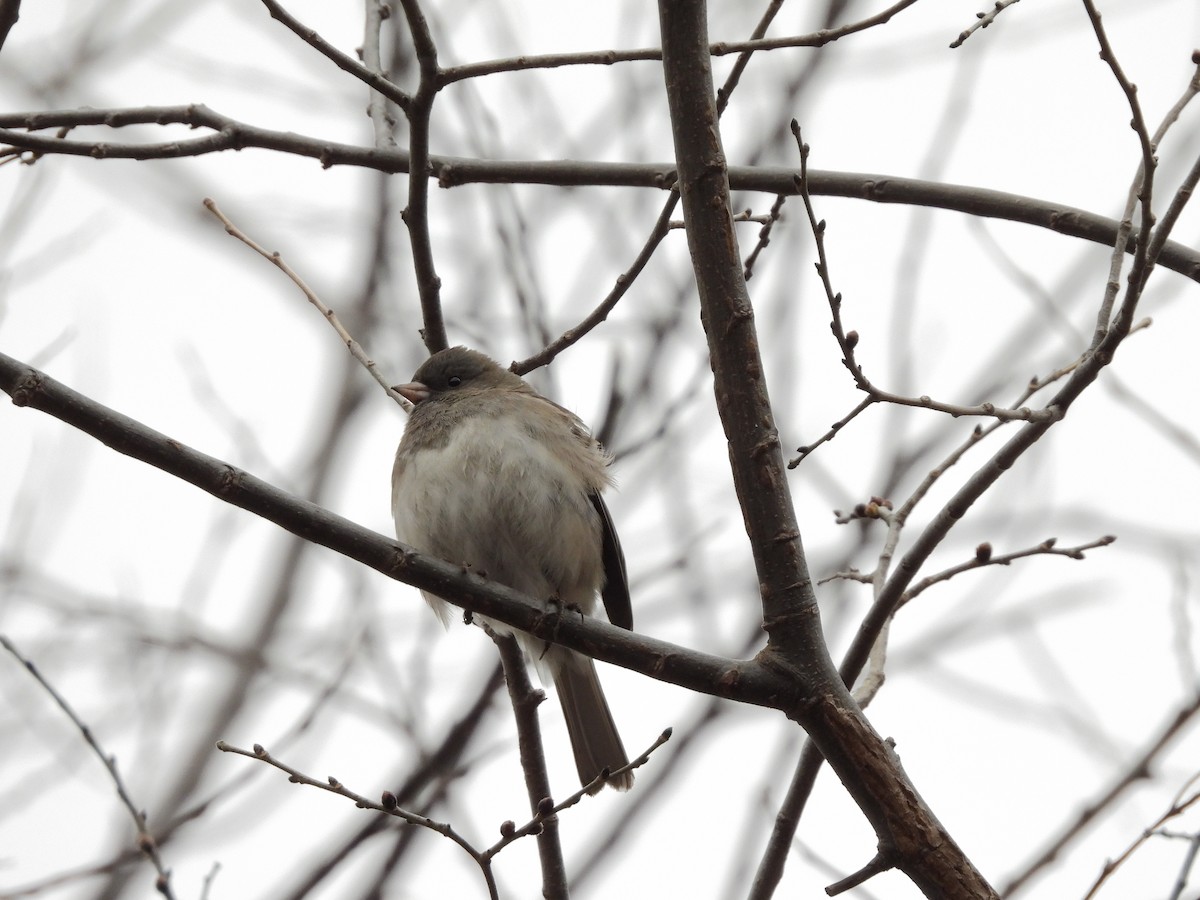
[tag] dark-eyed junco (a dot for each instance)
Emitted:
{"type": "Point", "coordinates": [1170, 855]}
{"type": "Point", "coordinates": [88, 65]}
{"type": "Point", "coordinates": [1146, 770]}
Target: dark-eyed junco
{"type": "Point", "coordinates": [492, 474]}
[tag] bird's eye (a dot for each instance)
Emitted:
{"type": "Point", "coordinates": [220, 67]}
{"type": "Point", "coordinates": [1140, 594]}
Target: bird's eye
{"type": "Point", "coordinates": [454, 381]}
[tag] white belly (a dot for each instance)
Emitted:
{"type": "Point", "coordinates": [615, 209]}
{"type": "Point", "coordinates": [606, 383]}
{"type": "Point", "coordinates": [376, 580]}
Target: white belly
{"type": "Point", "coordinates": [501, 503]}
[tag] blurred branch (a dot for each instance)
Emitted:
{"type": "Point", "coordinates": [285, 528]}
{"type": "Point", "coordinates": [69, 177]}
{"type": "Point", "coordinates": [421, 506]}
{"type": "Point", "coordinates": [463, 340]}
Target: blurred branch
{"type": "Point", "coordinates": [1185, 870]}
{"type": "Point", "coordinates": [383, 122]}
{"type": "Point", "coordinates": [1180, 805]}
{"type": "Point", "coordinates": [145, 840]}
{"type": "Point", "coordinates": [1138, 770]}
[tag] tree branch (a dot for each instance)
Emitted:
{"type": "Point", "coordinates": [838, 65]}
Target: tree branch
{"type": "Point", "coordinates": [525, 700]}
{"type": "Point", "coordinates": [747, 682]}
{"type": "Point", "coordinates": [454, 171]}
{"type": "Point", "coordinates": [146, 841]}
{"type": "Point", "coordinates": [375, 80]}
{"type": "Point", "coordinates": [416, 213]}
{"type": "Point", "coordinates": [908, 832]}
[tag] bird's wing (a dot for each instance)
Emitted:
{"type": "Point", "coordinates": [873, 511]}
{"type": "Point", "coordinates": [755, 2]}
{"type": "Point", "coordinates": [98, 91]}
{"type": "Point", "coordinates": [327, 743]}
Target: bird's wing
{"type": "Point", "coordinates": [616, 584]}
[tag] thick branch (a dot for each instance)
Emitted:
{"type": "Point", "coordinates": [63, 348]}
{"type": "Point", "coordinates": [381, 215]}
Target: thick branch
{"type": "Point", "coordinates": [909, 835]}
{"type": "Point", "coordinates": [746, 682]}
{"type": "Point", "coordinates": [789, 604]}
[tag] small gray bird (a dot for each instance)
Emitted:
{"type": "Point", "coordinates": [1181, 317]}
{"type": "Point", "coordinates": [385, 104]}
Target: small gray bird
{"type": "Point", "coordinates": [491, 474]}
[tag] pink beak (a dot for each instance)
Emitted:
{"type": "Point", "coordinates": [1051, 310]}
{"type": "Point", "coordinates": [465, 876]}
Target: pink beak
{"type": "Point", "coordinates": [414, 392]}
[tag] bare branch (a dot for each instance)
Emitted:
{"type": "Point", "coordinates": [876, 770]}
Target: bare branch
{"type": "Point", "coordinates": [612, 57]}
{"type": "Point", "coordinates": [455, 171]}
{"type": "Point", "coordinates": [837, 426]}
{"type": "Point", "coordinates": [624, 282]}
{"type": "Point", "coordinates": [525, 700]}
{"type": "Point", "coordinates": [795, 641]}
{"type": "Point", "coordinates": [848, 340]}
{"type": "Point", "coordinates": [146, 842]}
{"type": "Point", "coordinates": [764, 236]}
{"type": "Point", "coordinates": [375, 80]}
{"type": "Point", "coordinates": [386, 805]}
{"type": "Point", "coordinates": [547, 811]}
{"type": "Point", "coordinates": [1143, 188]}
{"type": "Point", "coordinates": [744, 681]}
{"type": "Point", "coordinates": [982, 20]}
{"type": "Point", "coordinates": [416, 214]}
{"type": "Point", "coordinates": [984, 557]}
{"type": "Point", "coordinates": [1136, 771]}
{"type": "Point", "coordinates": [276, 259]}
{"type": "Point", "coordinates": [1177, 808]}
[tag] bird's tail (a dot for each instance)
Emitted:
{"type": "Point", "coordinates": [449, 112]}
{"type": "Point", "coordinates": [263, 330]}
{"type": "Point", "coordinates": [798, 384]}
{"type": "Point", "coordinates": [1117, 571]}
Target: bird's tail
{"type": "Point", "coordinates": [594, 738]}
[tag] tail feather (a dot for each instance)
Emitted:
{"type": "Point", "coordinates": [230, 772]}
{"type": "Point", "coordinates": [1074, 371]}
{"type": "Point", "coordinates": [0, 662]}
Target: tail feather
{"type": "Point", "coordinates": [594, 738]}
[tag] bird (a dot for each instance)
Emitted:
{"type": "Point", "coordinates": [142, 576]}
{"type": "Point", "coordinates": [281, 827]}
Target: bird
{"type": "Point", "coordinates": [493, 475]}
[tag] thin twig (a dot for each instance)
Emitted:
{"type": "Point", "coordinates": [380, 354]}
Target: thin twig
{"type": "Point", "coordinates": [764, 236]}
{"type": "Point", "coordinates": [1178, 807]}
{"type": "Point", "coordinates": [848, 340]}
{"type": "Point", "coordinates": [1143, 189]}
{"type": "Point", "coordinates": [387, 805]}
{"type": "Point", "coordinates": [612, 57]}
{"type": "Point", "coordinates": [546, 810]}
{"type": "Point", "coordinates": [623, 283]}
{"type": "Point", "coordinates": [382, 122]}
{"type": "Point", "coordinates": [983, 557]}
{"type": "Point", "coordinates": [375, 80]}
{"type": "Point", "coordinates": [145, 839]}
{"type": "Point", "coordinates": [805, 449]}
{"type": "Point", "coordinates": [277, 260]}
{"type": "Point", "coordinates": [1136, 771]}
{"type": "Point", "coordinates": [982, 20]}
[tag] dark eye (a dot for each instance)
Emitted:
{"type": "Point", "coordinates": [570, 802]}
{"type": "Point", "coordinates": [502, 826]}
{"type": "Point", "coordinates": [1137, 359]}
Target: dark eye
{"type": "Point", "coordinates": [454, 381]}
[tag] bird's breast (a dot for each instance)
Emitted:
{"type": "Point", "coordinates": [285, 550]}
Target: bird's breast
{"type": "Point", "coordinates": [513, 507]}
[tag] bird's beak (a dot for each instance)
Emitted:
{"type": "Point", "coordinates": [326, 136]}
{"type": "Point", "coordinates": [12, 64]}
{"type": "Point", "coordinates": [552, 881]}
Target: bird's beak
{"type": "Point", "coordinates": [414, 392]}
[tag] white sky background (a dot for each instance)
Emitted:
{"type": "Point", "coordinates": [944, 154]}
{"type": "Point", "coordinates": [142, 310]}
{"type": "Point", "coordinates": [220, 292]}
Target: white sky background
{"type": "Point", "coordinates": [1014, 694]}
